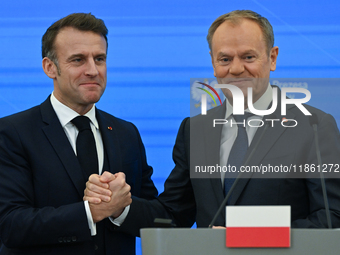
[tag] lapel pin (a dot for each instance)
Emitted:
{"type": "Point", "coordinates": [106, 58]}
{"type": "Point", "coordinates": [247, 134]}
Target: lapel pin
{"type": "Point", "coordinates": [109, 128]}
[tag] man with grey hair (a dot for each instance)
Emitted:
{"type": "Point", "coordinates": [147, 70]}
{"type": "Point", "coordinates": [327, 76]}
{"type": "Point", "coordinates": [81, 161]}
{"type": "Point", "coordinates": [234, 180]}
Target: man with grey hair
{"type": "Point", "coordinates": [243, 54]}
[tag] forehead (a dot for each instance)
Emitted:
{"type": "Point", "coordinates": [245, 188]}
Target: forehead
{"type": "Point", "coordinates": [237, 34]}
{"type": "Point", "coordinates": [72, 41]}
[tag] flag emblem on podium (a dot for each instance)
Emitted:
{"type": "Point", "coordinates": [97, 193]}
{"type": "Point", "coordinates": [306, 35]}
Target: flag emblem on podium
{"type": "Point", "coordinates": [258, 226]}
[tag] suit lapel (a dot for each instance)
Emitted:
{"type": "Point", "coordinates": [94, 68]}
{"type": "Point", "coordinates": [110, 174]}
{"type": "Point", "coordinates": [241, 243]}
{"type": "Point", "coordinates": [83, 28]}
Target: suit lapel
{"type": "Point", "coordinates": [268, 140]}
{"type": "Point", "coordinates": [213, 150]}
{"type": "Point", "coordinates": [111, 142]}
{"type": "Point", "coordinates": [58, 139]}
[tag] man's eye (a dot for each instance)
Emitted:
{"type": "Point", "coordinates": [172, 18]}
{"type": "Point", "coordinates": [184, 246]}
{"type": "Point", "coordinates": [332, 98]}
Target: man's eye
{"type": "Point", "coordinates": [77, 59]}
{"type": "Point", "coordinates": [249, 57]}
{"type": "Point", "coordinates": [225, 59]}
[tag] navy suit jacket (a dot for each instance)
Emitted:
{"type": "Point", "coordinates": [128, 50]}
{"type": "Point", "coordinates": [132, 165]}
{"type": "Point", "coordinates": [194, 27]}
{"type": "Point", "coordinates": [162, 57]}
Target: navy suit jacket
{"type": "Point", "coordinates": [42, 185]}
{"type": "Point", "coordinates": [198, 144]}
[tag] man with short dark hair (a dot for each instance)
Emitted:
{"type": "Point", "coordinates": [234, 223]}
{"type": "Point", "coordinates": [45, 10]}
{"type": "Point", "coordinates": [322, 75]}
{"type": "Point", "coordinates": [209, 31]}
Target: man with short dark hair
{"type": "Point", "coordinates": [243, 54]}
{"type": "Point", "coordinates": [48, 152]}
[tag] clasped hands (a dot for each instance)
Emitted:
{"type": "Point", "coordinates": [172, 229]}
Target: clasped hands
{"type": "Point", "coordinates": [108, 194]}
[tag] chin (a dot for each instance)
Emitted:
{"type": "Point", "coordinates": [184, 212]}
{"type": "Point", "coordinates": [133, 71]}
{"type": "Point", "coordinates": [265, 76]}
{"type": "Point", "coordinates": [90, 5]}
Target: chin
{"type": "Point", "coordinates": [91, 99]}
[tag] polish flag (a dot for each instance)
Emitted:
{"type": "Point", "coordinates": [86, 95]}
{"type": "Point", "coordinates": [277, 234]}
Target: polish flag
{"type": "Point", "coordinates": [258, 226]}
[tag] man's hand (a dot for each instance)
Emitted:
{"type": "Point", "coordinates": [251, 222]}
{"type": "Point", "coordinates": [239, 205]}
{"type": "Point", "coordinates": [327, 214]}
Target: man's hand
{"type": "Point", "coordinates": [107, 194]}
{"type": "Point", "coordinates": [97, 188]}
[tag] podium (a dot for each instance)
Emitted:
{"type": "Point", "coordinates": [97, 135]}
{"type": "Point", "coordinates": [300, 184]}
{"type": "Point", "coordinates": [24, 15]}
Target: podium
{"type": "Point", "coordinates": [183, 241]}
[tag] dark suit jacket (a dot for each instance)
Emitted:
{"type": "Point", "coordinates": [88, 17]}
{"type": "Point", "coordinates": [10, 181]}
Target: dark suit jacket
{"type": "Point", "coordinates": [198, 199]}
{"type": "Point", "coordinates": [42, 186]}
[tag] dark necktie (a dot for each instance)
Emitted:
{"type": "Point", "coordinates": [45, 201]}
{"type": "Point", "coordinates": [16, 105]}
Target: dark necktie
{"type": "Point", "coordinates": [238, 150]}
{"type": "Point", "coordinates": [86, 146]}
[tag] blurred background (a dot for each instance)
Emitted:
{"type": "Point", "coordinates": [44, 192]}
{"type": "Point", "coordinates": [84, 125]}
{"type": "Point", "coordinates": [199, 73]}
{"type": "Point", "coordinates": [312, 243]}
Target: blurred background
{"type": "Point", "coordinates": [155, 47]}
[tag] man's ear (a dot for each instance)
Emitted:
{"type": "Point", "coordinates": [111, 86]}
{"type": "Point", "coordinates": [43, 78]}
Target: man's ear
{"type": "Point", "coordinates": [212, 62]}
{"type": "Point", "coordinates": [49, 68]}
{"type": "Point", "coordinates": [273, 57]}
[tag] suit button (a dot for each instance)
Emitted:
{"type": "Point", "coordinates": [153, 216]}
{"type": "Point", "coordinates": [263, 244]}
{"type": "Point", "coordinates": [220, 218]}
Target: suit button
{"type": "Point", "coordinates": [95, 247]}
{"type": "Point", "coordinates": [74, 238]}
{"type": "Point", "coordinates": [65, 239]}
{"type": "Point", "coordinates": [69, 239]}
{"type": "Point", "coordinates": [60, 239]}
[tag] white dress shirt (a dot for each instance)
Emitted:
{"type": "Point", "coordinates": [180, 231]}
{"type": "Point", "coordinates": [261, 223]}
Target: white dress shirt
{"type": "Point", "coordinates": [229, 132]}
{"type": "Point", "coordinates": [65, 115]}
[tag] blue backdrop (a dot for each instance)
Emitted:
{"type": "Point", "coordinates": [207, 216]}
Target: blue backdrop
{"type": "Point", "coordinates": [155, 47]}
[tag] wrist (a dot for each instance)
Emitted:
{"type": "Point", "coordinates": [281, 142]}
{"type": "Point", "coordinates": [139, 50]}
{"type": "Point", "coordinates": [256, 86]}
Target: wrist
{"type": "Point", "coordinates": [117, 214]}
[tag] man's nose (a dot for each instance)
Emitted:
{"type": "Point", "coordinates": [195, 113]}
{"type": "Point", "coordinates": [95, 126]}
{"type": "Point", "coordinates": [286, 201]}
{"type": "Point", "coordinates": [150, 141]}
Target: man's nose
{"type": "Point", "coordinates": [91, 68]}
{"type": "Point", "coordinates": [236, 67]}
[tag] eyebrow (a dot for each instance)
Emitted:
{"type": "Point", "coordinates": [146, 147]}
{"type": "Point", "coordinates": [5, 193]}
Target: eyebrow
{"type": "Point", "coordinates": [249, 51]}
{"type": "Point", "coordinates": [222, 54]}
{"type": "Point", "coordinates": [75, 56]}
{"type": "Point", "coordinates": [103, 55]}
{"type": "Point", "coordinates": [80, 55]}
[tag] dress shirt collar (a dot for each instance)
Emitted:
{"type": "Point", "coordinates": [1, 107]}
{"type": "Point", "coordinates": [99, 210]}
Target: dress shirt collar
{"type": "Point", "coordinates": [261, 104]}
{"type": "Point", "coordinates": [66, 114]}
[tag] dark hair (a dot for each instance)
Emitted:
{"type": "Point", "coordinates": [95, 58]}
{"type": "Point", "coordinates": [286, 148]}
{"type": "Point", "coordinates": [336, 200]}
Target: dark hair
{"type": "Point", "coordinates": [236, 16]}
{"type": "Point", "coordinates": [80, 21]}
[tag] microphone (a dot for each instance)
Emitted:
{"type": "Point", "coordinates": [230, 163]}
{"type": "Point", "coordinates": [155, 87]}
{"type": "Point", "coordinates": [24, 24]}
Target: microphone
{"type": "Point", "coordinates": [313, 121]}
{"type": "Point", "coordinates": [271, 116]}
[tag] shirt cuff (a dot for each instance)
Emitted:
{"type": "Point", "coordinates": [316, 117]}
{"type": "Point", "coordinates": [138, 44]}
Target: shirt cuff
{"type": "Point", "coordinates": [119, 220]}
{"type": "Point", "coordinates": [92, 225]}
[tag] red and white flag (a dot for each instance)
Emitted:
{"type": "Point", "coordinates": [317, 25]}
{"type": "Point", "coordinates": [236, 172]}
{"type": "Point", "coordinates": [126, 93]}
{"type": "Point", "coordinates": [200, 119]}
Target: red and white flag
{"type": "Point", "coordinates": [258, 226]}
